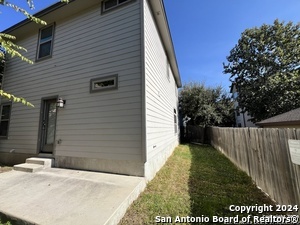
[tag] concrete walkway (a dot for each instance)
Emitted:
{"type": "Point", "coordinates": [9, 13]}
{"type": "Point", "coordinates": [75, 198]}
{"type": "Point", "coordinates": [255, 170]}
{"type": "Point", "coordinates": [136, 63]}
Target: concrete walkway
{"type": "Point", "coordinates": [61, 196]}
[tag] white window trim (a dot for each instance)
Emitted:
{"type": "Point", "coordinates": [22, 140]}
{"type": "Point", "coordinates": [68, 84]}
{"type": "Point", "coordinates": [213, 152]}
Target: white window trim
{"type": "Point", "coordinates": [102, 79]}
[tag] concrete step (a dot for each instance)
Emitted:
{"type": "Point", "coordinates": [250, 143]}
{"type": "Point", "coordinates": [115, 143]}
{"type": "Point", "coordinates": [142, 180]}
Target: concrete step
{"type": "Point", "coordinates": [28, 167]}
{"type": "Point", "coordinates": [46, 162]}
{"type": "Point", "coordinates": [34, 164]}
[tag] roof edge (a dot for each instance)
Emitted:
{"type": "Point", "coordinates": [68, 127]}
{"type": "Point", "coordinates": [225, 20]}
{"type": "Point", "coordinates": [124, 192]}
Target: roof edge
{"type": "Point", "coordinates": [179, 83]}
{"type": "Point", "coordinates": [38, 15]}
{"type": "Point", "coordinates": [158, 9]}
{"type": "Point", "coordinates": [293, 122]}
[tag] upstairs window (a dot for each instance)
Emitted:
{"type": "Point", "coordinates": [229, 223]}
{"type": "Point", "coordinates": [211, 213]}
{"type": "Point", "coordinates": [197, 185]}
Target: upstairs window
{"type": "Point", "coordinates": [168, 70]}
{"type": "Point", "coordinates": [4, 120]}
{"type": "Point", "coordinates": [111, 4]}
{"type": "Point", "coordinates": [2, 64]}
{"type": "Point", "coordinates": [45, 44]}
{"type": "Point", "coordinates": [1, 80]}
{"type": "Point", "coordinates": [175, 121]}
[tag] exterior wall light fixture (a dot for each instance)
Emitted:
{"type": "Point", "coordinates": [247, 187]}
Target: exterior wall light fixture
{"type": "Point", "coordinates": [60, 103]}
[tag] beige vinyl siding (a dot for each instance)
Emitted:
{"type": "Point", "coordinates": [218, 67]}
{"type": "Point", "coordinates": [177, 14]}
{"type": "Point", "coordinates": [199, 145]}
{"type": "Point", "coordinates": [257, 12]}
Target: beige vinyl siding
{"type": "Point", "coordinates": [103, 125]}
{"type": "Point", "coordinates": [160, 98]}
{"type": "Point", "coordinates": [21, 137]}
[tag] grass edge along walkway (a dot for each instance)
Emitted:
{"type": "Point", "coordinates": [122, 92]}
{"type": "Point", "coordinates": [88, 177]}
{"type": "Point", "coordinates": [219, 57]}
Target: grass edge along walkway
{"type": "Point", "coordinates": [196, 181]}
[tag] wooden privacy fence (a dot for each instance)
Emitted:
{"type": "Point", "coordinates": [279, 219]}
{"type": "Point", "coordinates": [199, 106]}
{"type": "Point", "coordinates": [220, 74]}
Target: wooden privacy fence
{"type": "Point", "coordinates": [263, 153]}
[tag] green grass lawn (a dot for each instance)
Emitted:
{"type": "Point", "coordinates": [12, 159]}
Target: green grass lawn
{"type": "Point", "coordinates": [196, 181]}
{"type": "Point", "coordinates": [7, 223]}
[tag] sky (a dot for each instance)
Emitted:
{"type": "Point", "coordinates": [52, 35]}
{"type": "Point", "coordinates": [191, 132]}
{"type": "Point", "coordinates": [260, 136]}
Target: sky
{"type": "Point", "coordinates": [203, 31]}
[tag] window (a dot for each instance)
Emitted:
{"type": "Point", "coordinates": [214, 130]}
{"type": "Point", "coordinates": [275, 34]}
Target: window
{"type": "Point", "coordinates": [45, 44]}
{"type": "Point", "coordinates": [2, 64]}
{"type": "Point", "coordinates": [168, 70]}
{"type": "Point", "coordinates": [175, 121]}
{"type": "Point", "coordinates": [4, 120]}
{"type": "Point", "coordinates": [1, 81]}
{"type": "Point", "coordinates": [235, 95]}
{"type": "Point", "coordinates": [104, 83]}
{"type": "Point", "coordinates": [111, 4]}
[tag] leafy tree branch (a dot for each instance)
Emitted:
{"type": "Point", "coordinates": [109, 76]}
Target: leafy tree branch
{"type": "Point", "coordinates": [9, 47]}
{"type": "Point", "coordinates": [264, 66]}
{"type": "Point", "coordinates": [206, 106]}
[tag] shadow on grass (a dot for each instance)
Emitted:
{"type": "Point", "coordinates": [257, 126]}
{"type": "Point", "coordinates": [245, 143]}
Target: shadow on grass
{"type": "Point", "coordinates": [215, 183]}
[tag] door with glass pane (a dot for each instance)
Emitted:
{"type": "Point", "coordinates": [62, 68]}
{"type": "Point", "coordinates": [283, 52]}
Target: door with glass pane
{"type": "Point", "coordinates": [48, 126]}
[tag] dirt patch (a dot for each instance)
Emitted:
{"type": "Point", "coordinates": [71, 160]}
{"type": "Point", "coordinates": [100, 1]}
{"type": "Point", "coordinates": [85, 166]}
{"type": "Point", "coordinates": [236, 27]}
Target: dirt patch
{"type": "Point", "coordinates": [5, 168]}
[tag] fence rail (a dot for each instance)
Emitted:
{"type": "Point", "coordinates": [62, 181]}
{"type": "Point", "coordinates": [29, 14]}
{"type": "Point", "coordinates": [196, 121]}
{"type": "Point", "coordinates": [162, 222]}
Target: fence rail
{"type": "Point", "coordinates": [263, 153]}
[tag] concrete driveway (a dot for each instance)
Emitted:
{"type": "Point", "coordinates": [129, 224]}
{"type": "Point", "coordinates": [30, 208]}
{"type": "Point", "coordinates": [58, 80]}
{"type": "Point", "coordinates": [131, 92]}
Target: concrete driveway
{"type": "Point", "coordinates": [61, 196]}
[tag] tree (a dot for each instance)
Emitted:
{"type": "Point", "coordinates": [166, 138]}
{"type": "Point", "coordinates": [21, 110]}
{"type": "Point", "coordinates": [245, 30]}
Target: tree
{"type": "Point", "coordinates": [8, 47]}
{"type": "Point", "coordinates": [265, 67]}
{"type": "Point", "coordinates": [206, 106]}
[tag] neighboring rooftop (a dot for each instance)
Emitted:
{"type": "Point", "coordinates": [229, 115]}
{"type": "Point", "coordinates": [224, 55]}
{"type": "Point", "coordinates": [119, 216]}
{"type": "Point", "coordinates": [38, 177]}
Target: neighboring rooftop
{"type": "Point", "coordinates": [290, 117]}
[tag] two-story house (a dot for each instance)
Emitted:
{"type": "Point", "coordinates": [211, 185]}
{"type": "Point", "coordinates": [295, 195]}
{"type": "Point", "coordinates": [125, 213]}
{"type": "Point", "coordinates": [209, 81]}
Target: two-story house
{"type": "Point", "coordinates": [104, 86]}
{"type": "Point", "coordinates": [242, 119]}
